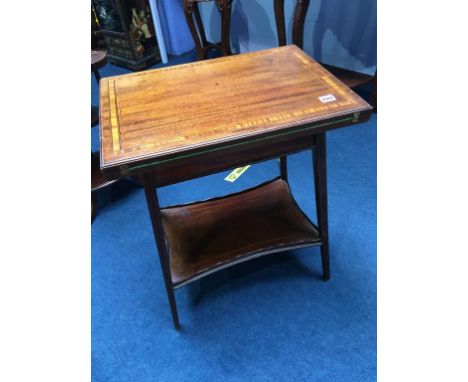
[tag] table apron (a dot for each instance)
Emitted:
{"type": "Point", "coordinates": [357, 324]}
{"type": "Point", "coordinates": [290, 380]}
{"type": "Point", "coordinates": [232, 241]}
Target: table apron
{"type": "Point", "coordinates": [190, 165]}
{"type": "Point", "coordinates": [216, 161]}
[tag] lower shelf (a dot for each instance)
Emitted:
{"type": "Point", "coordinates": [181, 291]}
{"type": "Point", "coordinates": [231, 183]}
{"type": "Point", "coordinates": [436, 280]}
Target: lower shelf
{"type": "Point", "coordinates": [206, 236]}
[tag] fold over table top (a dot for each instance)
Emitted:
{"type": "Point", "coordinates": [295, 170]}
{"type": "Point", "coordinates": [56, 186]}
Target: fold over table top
{"type": "Point", "coordinates": [169, 112]}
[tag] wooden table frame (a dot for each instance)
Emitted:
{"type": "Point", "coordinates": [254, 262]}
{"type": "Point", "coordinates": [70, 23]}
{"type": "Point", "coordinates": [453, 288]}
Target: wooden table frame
{"type": "Point", "coordinates": [317, 144]}
{"type": "Point", "coordinates": [228, 125]}
{"type": "Point", "coordinates": [315, 141]}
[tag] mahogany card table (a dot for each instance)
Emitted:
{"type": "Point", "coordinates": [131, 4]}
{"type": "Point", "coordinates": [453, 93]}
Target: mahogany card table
{"type": "Point", "coordinates": [181, 122]}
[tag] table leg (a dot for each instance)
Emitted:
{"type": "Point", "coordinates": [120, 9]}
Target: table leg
{"type": "Point", "coordinates": [188, 8]}
{"type": "Point", "coordinates": [284, 168]}
{"type": "Point", "coordinates": [298, 24]}
{"type": "Point", "coordinates": [158, 230]}
{"type": "Point", "coordinates": [279, 16]}
{"type": "Point", "coordinates": [320, 178]}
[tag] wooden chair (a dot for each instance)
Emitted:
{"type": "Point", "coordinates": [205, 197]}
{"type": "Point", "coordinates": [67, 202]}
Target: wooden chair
{"type": "Point", "coordinates": [199, 37]}
{"type": "Point", "coordinates": [224, 7]}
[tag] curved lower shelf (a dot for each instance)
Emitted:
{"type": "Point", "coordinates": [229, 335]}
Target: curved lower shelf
{"type": "Point", "coordinates": [207, 236]}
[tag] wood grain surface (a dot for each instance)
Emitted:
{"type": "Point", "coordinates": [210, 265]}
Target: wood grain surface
{"type": "Point", "coordinates": [193, 107]}
{"type": "Point", "coordinates": [205, 236]}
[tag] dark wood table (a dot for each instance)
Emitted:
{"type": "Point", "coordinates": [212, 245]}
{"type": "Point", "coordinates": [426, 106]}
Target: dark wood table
{"type": "Point", "coordinates": [248, 108]}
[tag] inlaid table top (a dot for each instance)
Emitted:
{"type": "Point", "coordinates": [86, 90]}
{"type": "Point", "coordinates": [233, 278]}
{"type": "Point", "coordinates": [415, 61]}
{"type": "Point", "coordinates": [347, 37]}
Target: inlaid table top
{"type": "Point", "coordinates": [185, 109]}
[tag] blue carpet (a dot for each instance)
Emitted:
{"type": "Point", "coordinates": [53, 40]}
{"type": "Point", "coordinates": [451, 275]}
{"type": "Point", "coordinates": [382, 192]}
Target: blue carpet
{"type": "Point", "coordinates": [271, 319]}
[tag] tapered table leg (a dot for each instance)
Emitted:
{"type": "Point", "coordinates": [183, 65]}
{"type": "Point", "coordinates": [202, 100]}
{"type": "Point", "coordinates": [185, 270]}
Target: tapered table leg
{"type": "Point", "coordinates": [279, 16]}
{"type": "Point", "coordinates": [284, 167]}
{"type": "Point", "coordinates": [298, 24]}
{"type": "Point", "coordinates": [320, 179]}
{"type": "Point", "coordinates": [153, 207]}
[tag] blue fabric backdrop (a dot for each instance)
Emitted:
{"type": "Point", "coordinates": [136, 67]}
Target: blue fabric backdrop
{"type": "Point", "coordinates": [336, 32]}
{"type": "Point", "coordinates": [176, 33]}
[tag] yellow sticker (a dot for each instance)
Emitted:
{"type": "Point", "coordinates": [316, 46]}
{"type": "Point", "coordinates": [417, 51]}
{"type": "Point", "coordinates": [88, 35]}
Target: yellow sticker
{"type": "Point", "coordinates": [236, 173]}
